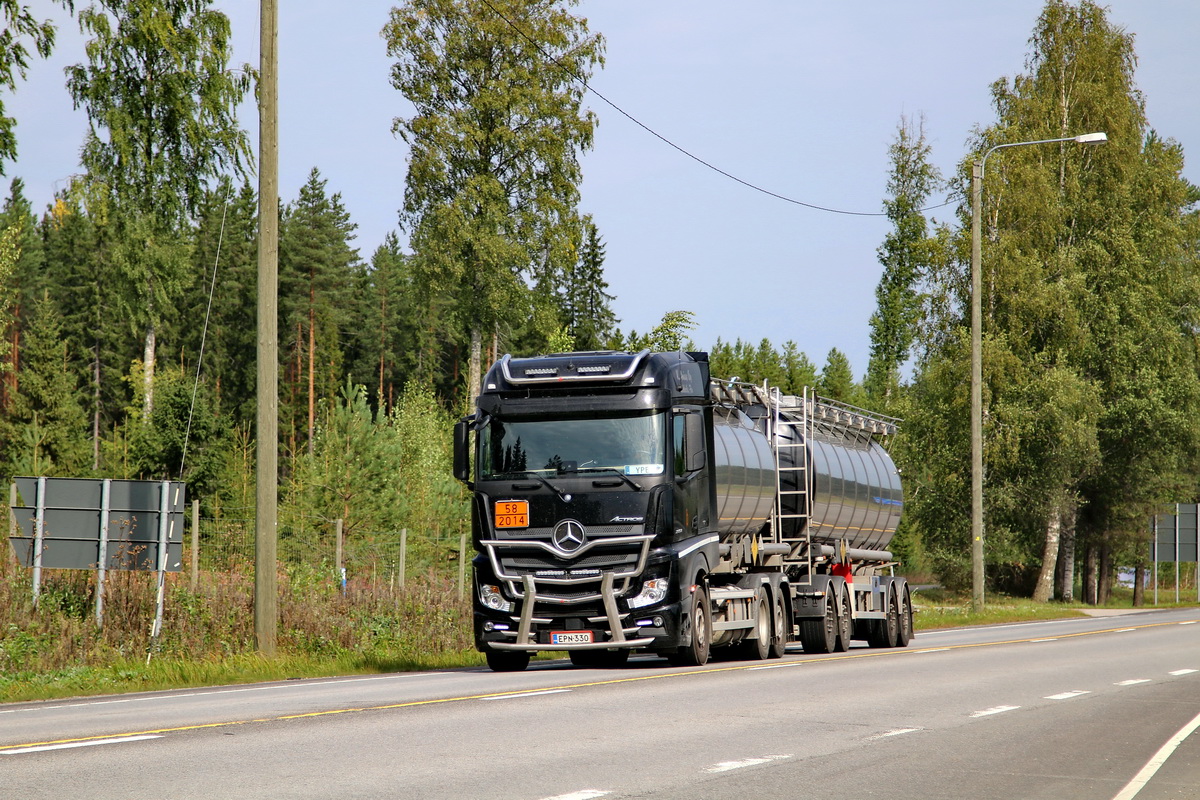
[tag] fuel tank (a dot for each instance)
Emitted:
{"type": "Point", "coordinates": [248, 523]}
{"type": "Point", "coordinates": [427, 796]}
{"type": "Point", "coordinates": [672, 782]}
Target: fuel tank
{"type": "Point", "coordinates": [853, 482]}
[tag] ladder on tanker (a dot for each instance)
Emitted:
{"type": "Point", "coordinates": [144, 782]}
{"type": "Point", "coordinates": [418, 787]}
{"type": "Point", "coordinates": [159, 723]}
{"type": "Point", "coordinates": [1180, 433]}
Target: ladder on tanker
{"type": "Point", "coordinates": [791, 432]}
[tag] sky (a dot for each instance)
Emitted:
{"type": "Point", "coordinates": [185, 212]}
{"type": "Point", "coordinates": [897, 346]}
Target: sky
{"type": "Point", "coordinates": [801, 98]}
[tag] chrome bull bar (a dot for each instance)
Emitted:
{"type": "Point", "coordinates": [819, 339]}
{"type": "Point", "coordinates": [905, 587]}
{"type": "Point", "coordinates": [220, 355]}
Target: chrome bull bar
{"type": "Point", "coordinates": [620, 634]}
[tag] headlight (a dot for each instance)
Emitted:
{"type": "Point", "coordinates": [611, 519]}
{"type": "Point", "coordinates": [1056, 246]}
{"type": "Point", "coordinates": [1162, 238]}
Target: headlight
{"type": "Point", "coordinates": [491, 598]}
{"type": "Point", "coordinates": [653, 591]}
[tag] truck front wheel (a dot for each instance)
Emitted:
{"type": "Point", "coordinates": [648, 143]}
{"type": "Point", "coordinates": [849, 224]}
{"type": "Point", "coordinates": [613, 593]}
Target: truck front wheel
{"type": "Point", "coordinates": [700, 619]}
{"type": "Point", "coordinates": [507, 660]}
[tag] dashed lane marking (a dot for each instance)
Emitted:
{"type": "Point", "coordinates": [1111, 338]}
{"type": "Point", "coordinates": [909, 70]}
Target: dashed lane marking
{"type": "Point", "coordinates": [1067, 695]}
{"type": "Point", "coordinates": [1132, 682]}
{"type": "Point", "coordinates": [525, 694]}
{"type": "Point", "coordinates": [582, 794]}
{"type": "Point", "coordinates": [726, 766]}
{"type": "Point", "coordinates": [896, 732]}
{"type": "Point", "coordinates": [1179, 672]}
{"type": "Point", "coordinates": [987, 712]}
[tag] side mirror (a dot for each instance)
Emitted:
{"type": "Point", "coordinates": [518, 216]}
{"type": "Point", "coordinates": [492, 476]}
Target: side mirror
{"type": "Point", "coordinates": [462, 451]}
{"type": "Point", "coordinates": [695, 454]}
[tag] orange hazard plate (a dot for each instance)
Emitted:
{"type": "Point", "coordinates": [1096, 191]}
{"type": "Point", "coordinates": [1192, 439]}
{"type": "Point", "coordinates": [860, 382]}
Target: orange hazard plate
{"type": "Point", "coordinates": [512, 513]}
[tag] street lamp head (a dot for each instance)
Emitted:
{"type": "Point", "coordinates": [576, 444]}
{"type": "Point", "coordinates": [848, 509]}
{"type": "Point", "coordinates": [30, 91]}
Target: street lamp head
{"type": "Point", "coordinates": [1091, 138]}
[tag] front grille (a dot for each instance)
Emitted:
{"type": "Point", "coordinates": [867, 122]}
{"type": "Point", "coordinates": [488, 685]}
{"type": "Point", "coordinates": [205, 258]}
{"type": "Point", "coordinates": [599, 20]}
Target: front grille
{"type": "Point", "coordinates": [536, 562]}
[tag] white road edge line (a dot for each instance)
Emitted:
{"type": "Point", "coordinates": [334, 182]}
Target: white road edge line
{"type": "Point", "coordinates": [1066, 695]}
{"type": "Point", "coordinates": [1147, 772]}
{"type": "Point", "coordinates": [68, 745]}
{"type": "Point", "coordinates": [525, 694]}
{"type": "Point", "coordinates": [726, 766]}
{"type": "Point", "coordinates": [993, 710]}
{"type": "Point", "coordinates": [582, 794]}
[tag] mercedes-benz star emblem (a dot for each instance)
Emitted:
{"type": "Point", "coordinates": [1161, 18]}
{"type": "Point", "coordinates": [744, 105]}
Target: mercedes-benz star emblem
{"type": "Point", "coordinates": [568, 536]}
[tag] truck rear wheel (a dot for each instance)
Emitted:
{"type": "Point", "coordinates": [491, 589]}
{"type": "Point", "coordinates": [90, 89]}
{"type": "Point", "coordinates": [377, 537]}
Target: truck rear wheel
{"type": "Point", "coordinates": [759, 648]}
{"type": "Point", "coordinates": [845, 621]}
{"type": "Point", "coordinates": [700, 621]}
{"type": "Point", "coordinates": [820, 634]}
{"type": "Point", "coordinates": [904, 630]}
{"type": "Point", "coordinates": [507, 660]}
{"type": "Point", "coordinates": [780, 629]}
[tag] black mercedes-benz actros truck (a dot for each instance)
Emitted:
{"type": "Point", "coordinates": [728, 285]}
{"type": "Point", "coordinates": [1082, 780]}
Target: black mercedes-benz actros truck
{"type": "Point", "coordinates": [626, 501]}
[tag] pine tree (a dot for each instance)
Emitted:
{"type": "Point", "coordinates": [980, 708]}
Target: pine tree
{"type": "Point", "coordinates": [318, 271]}
{"type": "Point", "coordinates": [47, 417]}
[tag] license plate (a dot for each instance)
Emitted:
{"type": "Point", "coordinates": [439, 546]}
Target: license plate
{"type": "Point", "coordinates": [570, 637]}
{"type": "Point", "coordinates": [512, 514]}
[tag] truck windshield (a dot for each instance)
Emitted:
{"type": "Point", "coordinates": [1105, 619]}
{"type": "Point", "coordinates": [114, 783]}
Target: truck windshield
{"type": "Point", "coordinates": [629, 444]}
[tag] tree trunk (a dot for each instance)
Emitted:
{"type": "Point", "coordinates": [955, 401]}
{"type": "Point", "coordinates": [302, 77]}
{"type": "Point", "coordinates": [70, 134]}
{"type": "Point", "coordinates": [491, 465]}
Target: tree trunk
{"type": "Point", "coordinates": [473, 377]}
{"type": "Point", "coordinates": [1043, 590]}
{"type": "Point", "coordinates": [1091, 566]}
{"type": "Point", "coordinates": [96, 409]}
{"type": "Point", "coordinates": [1104, 575]}
{"type": "Point", "coordinates": [148, 355]}
{"type": "Point", "coordinates": [312, 351]}
{"type": "Point", "coordinates": [1066, 556]}
{"type": "Point", "coordinates": [1139, 585]}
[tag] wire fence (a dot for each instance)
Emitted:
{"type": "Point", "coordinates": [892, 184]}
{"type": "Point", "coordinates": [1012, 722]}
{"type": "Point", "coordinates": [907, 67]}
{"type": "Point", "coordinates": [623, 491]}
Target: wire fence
{"type": "Point", "coordinates": [227, 544]}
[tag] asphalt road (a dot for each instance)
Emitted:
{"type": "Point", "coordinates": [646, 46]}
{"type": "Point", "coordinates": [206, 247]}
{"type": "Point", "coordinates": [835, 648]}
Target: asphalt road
{"type": "Point", "coordinates": [1067, 709]}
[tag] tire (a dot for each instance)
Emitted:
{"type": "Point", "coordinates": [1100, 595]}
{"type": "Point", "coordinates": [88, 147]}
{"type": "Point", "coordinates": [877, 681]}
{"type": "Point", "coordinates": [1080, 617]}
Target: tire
{"type": "Point", "coordinates": [891, 624]}
{"type": "Point", "coordinates": [780, 629]}
{"type": "Point", "coordinates": [904, 631]}
{"type": "Point", "coordinates": [507, 660]}
{"type": "Point", "coordinates": [820, 635]}
{"type": "Point", "coordinates": [885, 632]}
{"type": "Point", "coordinates": [699, 619]}
{"type": "Point", "coordinates": [759, 648]}
{"type": "Point", "coordinates": [845, 621]}
{"type": "Point", "coordinates": [599, 659]}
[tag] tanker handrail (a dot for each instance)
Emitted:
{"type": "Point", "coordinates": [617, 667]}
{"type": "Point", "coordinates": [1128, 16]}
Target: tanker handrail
{"type": "Point", "coordinates": [818, 409]}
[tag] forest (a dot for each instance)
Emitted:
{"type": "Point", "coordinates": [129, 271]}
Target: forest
{"type": "Point", "coordinates": [127, 307]}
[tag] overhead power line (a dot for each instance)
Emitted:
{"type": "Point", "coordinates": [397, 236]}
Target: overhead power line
{"type": "Point", "coordinates": [684, 151]}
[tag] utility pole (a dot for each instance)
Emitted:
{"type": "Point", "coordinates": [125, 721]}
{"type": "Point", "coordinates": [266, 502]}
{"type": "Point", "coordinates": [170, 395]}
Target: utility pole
{"type": "Point", "coordinates": [266, 609]}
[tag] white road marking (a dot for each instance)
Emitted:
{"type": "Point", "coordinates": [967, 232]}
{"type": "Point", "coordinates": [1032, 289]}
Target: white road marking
{"type": "Point", "coordinates": [932, 650]}
{"type": "Point", "coordinates": [726, 766]}
{"type": "Point", "coordinates": [1132, 682]}
{"type": "Point", "coordinates": [1147, 772]}
{"type": "Point", "coordinates": [1123, 630]}
{"type": "Point", "coordinates": [1182, 672]}
{"type": "Point", "coordinates": [1066, 695]}
{"type": "Point", "coordinates": [525, 694]}
{"type": "Point", "coordinates": [994, 710]}
{"type": "Point", "coordinates": [774, 666]}
{"type": "Point", "coordinates": [1051, 639]}
{"type": "Point", "coordinates": [1189, 622]}
{"type": "Point", "coordinates": [68, 745]}
{"type": "Point", "coordinates": [582, 794]}
{"type": "Point", "coordinates": [896, 732]}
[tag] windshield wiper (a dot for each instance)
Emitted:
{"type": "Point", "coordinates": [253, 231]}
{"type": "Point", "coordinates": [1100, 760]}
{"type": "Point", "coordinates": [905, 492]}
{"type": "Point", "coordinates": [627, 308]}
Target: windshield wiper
{"type": "Point", "coordinates": [614, 471]}
{"type": "Point", "coordinates": [566, 498]}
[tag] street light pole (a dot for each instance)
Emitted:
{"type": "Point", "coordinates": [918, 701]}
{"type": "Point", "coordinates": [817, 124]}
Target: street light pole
{"type": "Point", "coordinates": [977, 169]}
